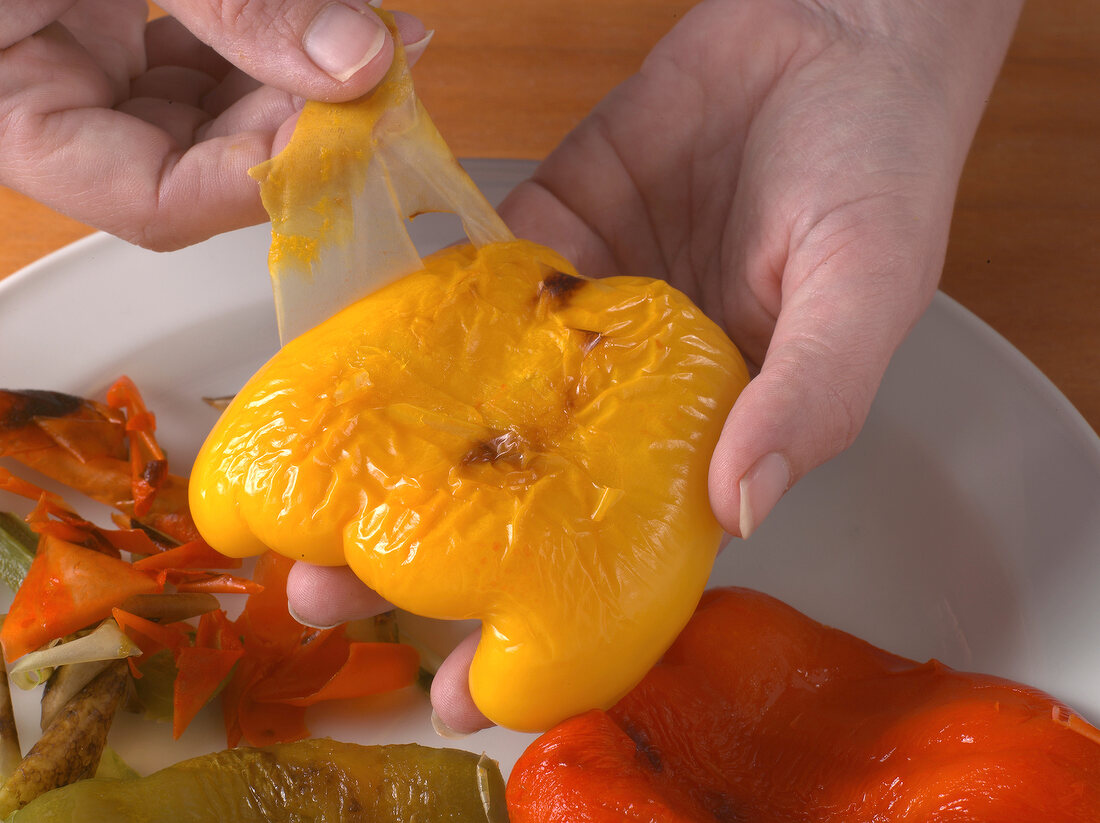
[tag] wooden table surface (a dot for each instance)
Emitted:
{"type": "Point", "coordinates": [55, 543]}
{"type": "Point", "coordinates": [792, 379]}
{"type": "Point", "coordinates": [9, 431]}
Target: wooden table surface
{"type": "Point", "coordinates": [511, 78]}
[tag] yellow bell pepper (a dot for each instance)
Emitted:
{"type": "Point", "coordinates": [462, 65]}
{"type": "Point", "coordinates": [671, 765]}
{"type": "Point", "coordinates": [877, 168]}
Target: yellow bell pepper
{"type": "Point", "coordinates": [494, 437]}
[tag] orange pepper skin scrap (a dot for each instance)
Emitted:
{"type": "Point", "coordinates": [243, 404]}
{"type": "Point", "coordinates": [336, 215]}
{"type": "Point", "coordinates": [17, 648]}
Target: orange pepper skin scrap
{"type": "Point", "coordinates": [99, 451]}
{"type": "Point", "coordinates": [286, 667]}
{"type": "Point", "coordinates": [67, 588]}
{"type": "Point", "coordinates": [758, 713]}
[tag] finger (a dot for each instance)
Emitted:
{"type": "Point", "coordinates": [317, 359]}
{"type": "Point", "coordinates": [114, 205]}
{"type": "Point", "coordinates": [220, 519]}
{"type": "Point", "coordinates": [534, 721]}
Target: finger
{"type": "Point", "coordinates": [63, 145]}
{"type": "Point", "coordinates": [324, 596]}
{"type": "Point", "coordinates": [832, 341]}
{"type": "Point", "coordinates": [234, 87]}
{"type": "Point", "coordinates": [169, 43]}
{"type": "Point", "coordinates": [534, 212]}
{"type": "Point", "coordinates": [284, 133]}
{"type": "Point", "coordinates": [454, 713]}
{"type": "Point", "coordinates": [413, 51]}
{"type": "Point", "coordinates": [113, 33]}
{"type": "Point", "coordinates": [318, 49]}
{"type": "Point", "coordinates": [178, 120]}
{"type": "Point", "coordinates": [264, 109]}
{"type": "Point", "coordinates": [175, 83]}
{"type": "Point", "coordinates": [414, 36]}
{"type": "Point", "coordinates": [19, 19]}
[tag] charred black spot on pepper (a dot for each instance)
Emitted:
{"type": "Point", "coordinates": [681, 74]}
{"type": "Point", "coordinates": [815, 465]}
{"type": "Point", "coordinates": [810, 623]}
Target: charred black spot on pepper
{"type": "Point", "coordinates": [559, 286]}
{"type": "Point", "coordinates": [589, 339]}
{"type": "Point", "coordinates": [643, 745]}
{"type": "Point", "coordinates": [20, 408]}
{"type": "Point", "coordinates": [154, 472]}
{"type": "Point", "coordinates": [504, 446]}
{"type": "Point", "coordinates": [723, 807]}
{"type": "Point", "coordinates": [482, 452]}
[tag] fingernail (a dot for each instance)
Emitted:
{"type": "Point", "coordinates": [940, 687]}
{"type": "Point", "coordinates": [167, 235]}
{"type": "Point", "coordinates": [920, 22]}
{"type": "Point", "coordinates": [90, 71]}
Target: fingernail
{"type": "Point", "coordinates": [443, 730]}
{"type": "Point", "coordinates": [305, 622]}
{"type": "Point", "coordinates": [761, 488]}
{"type": "Point", "coordinates": [414, 50]}
{"type": "Point", "coordinates": [341, 40]}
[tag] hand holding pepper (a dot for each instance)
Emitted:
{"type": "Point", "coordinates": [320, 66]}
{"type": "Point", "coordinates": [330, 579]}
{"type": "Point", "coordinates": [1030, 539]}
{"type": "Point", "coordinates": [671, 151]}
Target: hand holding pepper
{"type": "Point", "coordinates": [792, 167]}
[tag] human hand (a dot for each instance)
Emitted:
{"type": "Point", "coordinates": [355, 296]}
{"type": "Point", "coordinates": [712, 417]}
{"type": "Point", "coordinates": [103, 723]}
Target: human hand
{"type": "Point", "coordinates": [790, 165]}
{"type": "Point", "coordinates": [147, 130]}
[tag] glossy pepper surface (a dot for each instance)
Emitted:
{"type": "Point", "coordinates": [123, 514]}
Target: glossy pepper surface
{"type": "Point", "coordinates": [758, 713]}
{"type": "Point", "coordinates": [314, 780]}
{"type": "Point", "coordinates": [494, 437]}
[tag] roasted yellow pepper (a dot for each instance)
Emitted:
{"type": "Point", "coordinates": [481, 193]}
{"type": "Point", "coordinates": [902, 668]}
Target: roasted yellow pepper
{"type": "Point", "coordinates": [494, 437]}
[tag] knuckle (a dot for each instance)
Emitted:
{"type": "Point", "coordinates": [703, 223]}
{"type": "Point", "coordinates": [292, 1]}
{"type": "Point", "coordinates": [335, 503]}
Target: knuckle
{"type": "Point", "coordinates": [20, 20]}
{"type": "Point", "coordinates": [147, 225]}
{"type": "Point", "coordinates": [831, 390]}
{"type": "Point", "coordinates": [253, 20]}
{"type": "Point", "coordinates": [846, 410]}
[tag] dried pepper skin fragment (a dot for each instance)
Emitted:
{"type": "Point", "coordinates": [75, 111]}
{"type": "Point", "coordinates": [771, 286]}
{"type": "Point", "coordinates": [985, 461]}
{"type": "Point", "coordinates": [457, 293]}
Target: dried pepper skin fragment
{"type": "Point", "coordinates": [66, 589]}
{"type": "Point", "coordinates": [310, 780]}
{"type": "Point", "coordinates": [759, 713]}
{"type": "Point", "coordinates": [101, 450]}
{"type": "Point", "coordinates": [494, 437]}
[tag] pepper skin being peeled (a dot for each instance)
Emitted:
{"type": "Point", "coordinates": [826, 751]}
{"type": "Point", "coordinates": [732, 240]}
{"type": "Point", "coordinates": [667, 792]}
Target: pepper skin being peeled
{"type": "Point", "coordinates": [494, 437]}
{"type": "Point", "coordinates": [485, 434]}
{"type": "Point", "coordinates": [757, 713]}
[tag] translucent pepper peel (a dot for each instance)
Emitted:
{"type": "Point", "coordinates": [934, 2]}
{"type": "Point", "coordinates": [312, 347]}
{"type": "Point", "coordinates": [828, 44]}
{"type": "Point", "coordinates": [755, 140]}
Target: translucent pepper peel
{"type": "Point", "coordinates": [339, 193]}
{"type": "Point", "coordinates": [495, 437]}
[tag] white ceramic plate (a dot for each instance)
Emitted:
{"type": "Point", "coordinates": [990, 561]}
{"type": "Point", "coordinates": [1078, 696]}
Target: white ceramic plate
{"type": "Point", "coordinates": [964, 524]}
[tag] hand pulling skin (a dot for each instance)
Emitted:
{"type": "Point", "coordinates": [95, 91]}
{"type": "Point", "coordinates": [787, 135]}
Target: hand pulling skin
{"type": "Point", "coordinates": [492, 436]}
{"type": "Point", "coordinates": [759, 713]}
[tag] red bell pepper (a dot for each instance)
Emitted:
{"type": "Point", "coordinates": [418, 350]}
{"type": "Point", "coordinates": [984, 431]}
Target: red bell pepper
{"type": "Point", "coordinates": [759, 713]}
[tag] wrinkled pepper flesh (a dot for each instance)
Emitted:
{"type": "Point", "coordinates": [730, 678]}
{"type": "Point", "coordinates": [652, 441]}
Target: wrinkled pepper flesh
{"type": "Point", "coordinates": [758, 713]}
{"type": "Point", "coordinates": [317, 779]}
{"type": "Point", "coordinates": [494, 437]}
{"type": "Point", "coordinates": [489, 436]}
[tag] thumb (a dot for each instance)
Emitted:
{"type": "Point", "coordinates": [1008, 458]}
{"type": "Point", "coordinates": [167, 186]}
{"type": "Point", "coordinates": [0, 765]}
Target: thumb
{"type": "Point", "coordinates": [316, 49]}
{"type": "Point", "coordinates": [832, 342]}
